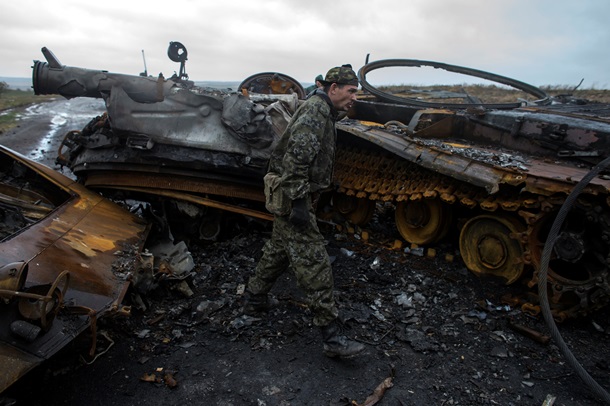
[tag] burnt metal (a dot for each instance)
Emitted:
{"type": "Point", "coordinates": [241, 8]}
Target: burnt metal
{"type": "Point", "coordinates": [531, 333]}
{"type": "Point", "coordinates": [52, 77]}
{"type": "Point", "coordinates": [541, 131]}
{"type": "Point", "coordinates": [272, 83]}
{"type": "Point", "coordinates": [177, 53]}
{"type": "Point", "coordinates": [516, 165]}
{"type": "Point", "coordinates": [385, 63]}
{"type": "Point", "coordinates": [157, 129]}
{"type": "Point", "coordinates": [66, 256]}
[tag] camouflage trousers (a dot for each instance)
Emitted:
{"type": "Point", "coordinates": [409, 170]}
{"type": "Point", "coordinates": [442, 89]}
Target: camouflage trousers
{"type": "Point", "coordinates": [301, 250]}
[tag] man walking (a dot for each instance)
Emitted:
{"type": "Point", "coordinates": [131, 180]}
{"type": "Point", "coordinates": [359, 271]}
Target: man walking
{"type": "Point", "coordinates": [304, 159]}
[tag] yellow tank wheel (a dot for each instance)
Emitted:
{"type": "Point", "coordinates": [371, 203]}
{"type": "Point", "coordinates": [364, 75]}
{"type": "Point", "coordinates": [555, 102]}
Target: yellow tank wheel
{"type": "Point", "coordinates": [487, 248]}
{"type": "Point", "coordinates": [424, 221]}
{"type": "Point", "coordinates": [356, 210]}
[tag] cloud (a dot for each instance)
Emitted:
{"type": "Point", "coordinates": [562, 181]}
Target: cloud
{"type": "Point", "coordinates": [539, 42]}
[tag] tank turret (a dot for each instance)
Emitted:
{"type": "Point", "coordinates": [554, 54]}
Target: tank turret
{"type": "Point", "coordinates": [168, 134]}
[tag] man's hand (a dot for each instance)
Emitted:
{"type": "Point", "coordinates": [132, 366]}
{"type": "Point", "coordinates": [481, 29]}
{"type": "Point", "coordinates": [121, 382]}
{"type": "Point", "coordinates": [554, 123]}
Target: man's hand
{"type": "Point", "coordinates": [299, 216]}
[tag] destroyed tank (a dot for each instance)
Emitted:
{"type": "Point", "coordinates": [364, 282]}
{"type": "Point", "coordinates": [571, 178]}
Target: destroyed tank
{"type": "Point", "coordinates": [170, 137]}
{"type": "Point", "coordinates": [495, 175]}
{"type": "Point", "coordinates": [491, 177]}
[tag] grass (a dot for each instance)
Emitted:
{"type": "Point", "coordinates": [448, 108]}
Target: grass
{"type": "Point", "coordinates": [7, 121]}
{"type": "Point", "coordinates": [492, 93]}
{"type": "Point", "coordinates": [13, 99]}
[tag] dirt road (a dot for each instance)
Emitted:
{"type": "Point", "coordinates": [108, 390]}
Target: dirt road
{"type": "Point", "coordinates": [42, 127]}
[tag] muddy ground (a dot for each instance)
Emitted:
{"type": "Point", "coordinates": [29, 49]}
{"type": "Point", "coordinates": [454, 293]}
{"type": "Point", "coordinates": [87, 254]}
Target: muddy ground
{"type": "Point", "coordinates": [443, 336]}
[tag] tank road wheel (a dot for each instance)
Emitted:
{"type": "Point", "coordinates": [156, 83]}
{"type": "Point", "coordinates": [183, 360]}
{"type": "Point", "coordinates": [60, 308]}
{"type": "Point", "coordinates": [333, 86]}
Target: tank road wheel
{"type": "Point", "coordinates": [424, 221]}
{"type": "Point", "coordinates": [488, 249]}
{"type": "Point", "coordinates": [356, 210]}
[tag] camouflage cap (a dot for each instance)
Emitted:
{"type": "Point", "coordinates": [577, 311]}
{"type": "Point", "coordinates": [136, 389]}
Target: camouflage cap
{"type": "Point", "coordinates": [343, 75]}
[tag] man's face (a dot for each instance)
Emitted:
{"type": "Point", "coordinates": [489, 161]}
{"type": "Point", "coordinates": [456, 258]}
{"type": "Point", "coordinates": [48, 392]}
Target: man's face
{"type": "Point", "coordinates": [342, 96]}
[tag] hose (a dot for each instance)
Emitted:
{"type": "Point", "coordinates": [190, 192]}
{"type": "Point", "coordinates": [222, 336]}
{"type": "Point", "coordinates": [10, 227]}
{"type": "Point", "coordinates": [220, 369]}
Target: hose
{"type": "Point", "coordinates": [542, 281]}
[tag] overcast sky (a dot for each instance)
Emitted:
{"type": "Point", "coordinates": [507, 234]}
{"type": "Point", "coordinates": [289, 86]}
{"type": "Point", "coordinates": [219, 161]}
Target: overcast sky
{"type": "Point", "coordinates": [540, 42]}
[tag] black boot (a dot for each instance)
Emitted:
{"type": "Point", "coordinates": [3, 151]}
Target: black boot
{"type": "Point", "coordinates": [259, 303]}
{"type": "Point", "coordinates": [337, 345]}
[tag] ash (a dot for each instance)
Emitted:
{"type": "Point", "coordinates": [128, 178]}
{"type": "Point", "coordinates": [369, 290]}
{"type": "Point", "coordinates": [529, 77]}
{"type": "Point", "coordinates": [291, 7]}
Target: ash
{"type": "Point", "coordinates": [484, 155]}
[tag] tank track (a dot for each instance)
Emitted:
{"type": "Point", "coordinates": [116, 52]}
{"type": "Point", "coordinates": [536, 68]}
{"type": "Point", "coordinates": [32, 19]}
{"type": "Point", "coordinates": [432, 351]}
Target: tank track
{"type": "Point", "coordinates": [502, 234]}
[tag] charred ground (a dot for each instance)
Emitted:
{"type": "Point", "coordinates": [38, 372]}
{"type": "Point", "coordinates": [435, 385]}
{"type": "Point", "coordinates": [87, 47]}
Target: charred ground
{"type": "Point", "coordinates": [442, 334]}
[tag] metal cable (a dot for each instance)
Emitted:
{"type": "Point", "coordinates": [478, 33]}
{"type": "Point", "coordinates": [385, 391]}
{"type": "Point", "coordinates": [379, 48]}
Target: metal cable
{"type": "Point", "coordinates": [542, 281]}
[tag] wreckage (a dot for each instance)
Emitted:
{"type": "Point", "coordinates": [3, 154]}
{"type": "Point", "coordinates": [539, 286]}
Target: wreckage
{"type": "Point", "coordinates": [69, 255]}
{"type": "Point", "coordinates": [492, 176]}
{"type": "Point", "coordinates": [167, 136]}
{"type": "Point", "coordinates": [66, 256]}
{"type": "Point", "coordinates": [496, 174]}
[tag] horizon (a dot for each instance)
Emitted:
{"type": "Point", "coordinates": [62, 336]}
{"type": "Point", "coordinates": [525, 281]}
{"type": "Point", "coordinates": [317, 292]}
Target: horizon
{"type": "Point", "coordinates": [25, 83]}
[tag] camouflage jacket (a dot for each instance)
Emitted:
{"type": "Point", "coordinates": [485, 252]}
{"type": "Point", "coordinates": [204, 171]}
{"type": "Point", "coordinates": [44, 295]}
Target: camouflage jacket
{"type": "Point", "coordinates": [305, 154]}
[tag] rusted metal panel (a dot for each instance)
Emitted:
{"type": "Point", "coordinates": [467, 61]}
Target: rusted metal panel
{"type": "Point", "coordinates": [85, 235]}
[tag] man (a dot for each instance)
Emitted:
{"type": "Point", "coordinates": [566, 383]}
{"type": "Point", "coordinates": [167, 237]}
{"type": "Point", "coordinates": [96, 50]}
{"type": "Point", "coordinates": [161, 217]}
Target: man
{"type": "Point", "coordinates": [317, 84]}
{"type": "Point", "coordinates": [304, 157]}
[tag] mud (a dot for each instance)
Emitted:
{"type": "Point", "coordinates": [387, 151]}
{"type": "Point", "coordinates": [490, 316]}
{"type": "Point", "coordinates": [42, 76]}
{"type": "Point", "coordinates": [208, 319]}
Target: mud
{"type": "Point", "coordinates": [444, 336]}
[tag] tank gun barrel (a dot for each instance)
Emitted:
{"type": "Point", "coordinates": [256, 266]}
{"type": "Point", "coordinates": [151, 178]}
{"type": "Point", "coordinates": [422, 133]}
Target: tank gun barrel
{"type": "Point", "coordinates": [52, 77]}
